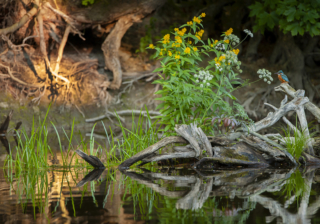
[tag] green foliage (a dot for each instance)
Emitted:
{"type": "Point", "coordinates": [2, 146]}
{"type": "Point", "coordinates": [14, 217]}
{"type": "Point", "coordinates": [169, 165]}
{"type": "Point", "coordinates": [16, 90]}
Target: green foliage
{"type": "Point", "coordinates": [291, 16]}
{"type": "Point", "coordinates": [87, 2]}
{"type": "Point", "coordinates": [147, 39]}
{"type": "Point", "coordinates": [190, 93]}
{"type": "Point", "coordinates": [295, 143]}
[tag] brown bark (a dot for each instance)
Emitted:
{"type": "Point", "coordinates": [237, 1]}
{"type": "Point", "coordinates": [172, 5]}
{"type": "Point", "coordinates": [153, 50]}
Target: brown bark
{"type": "Point", "coordinates": [111, 45]}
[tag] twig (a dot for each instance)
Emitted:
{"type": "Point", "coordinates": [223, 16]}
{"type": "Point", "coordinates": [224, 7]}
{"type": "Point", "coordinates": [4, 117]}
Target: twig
{"type": "Point", "coordinates": [61, 48]}
{"type": "Point", "coordinates": [124, 113]}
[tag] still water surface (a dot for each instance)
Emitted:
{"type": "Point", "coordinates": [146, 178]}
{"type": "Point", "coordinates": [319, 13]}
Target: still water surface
{"type": "Point", "coordinates": [158, 195]}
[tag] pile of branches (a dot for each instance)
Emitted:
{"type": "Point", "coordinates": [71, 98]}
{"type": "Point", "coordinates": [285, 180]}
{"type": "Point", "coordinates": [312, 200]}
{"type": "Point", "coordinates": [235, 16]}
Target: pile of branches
{"type": "Point", "coordinates": [245, 147]}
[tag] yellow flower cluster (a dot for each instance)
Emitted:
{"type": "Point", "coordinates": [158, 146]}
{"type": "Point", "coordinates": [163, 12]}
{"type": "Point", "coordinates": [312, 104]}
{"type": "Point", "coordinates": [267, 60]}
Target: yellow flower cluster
{"type": "Point", "coordinates": [227, 41]}
{"type": "Point", "coordinates": [151, 46]}
{"type": "Point", "coordinates": [196, 19]}
{"type": "Point", "coordinates": [189, 23]}
{"type": "Point", "coordinates": [218, 61]}
{"type": "Point", "coordinates": [182, 32]}
{"type": "Point", "coordinates": [177, 56]}
{"type": "Point", "coordinates": [169, 53]}
{"type": "Point", "coordinates": [195, 49]}
{"type": "Point", "coordinates": [187, 50]}
{"type": "Point", "coordinates": [166, 39]}
{"type": "Point", "coordinates": [178, 39]}
{"type": "Point", "coordinates": [199, 34]}
{"type": "Point", "coordinates": [190, 42]}
{"type": "Point", "coordinates": [229, 31]}
{"type": "Point", "coordinates": [236, 51]}
{"type": "Point", "coordinates": [175, 45]}
{"type": "Point", "coordinates": [203, 14]}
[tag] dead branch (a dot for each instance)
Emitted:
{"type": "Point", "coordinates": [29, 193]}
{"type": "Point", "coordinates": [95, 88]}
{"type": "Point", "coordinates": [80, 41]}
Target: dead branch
{"type": "Point", "coordinates": [286, 88]}
{"type": "Point", "coordinates": [123, 113]}
{"type": "Point", "coordinates": [22, 21]}
{"type": "Point", "coordinates": [92, 160]}
{"type": "Point", "coordinates": [272, 118]}
{"type": "Point", "coordinates": [150, 150]}
{"type": "Point", "coordinates": [69, 20]}
{"type": "Point", "coordinates": [165, 156]}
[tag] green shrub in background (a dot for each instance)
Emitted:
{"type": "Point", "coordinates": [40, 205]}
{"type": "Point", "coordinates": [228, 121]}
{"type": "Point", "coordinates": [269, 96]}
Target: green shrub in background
{"type": "Point", "coordinates": [87, 2]}
{"type": "Point", "coordinates": [191, 93]}
{"type": "Point", "coordinates": [291, 16]}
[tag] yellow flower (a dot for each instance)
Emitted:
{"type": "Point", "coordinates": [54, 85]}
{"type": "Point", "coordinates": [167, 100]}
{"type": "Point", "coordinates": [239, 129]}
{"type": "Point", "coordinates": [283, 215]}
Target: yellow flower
{"type": "Point", "coordinates": [195, 49]}
{"type": "Point", "coordinates": [201, 33]}
{"type": "Point", "coordinates": [189, 23]}
{"type": "Point", "coordinates": [177, 45]}
{"type": "Point", "coordinates": [187, 50]}
{"type": "Point", "coordinates": [160, 53]}
{"type": "Point", "coordinates": [169, 53]}
{"type": "Point", "coordinates": [178, 39]}
{"type": "Point", "coordinates": [222, 57]}
{"type": "Point", "coordinates": [211, 45]}
{"type": "Point", "coordinates": [229, 31]}
{"type": "Point", "coordinates": [196, 19]}
{"type": "Point", "coordinates": [151, 46]}
{"type": "Point", "coordinates": [216, 41]}
{"type": "Point", "coordinates": [227, 41]}
{"type": "Point", "coordinates": [198, 37]}
{"type": "Point", "coordinates": [173, 45]}
{"type": "Point", "coordinates": [165, 41]}
{"type": "Point", "coordinates": [203, 14]}
{"type": "Point", "coordinates": [176, 29]}
{"type": "Point", "coordinates": [177, 56]}
{"type": "Point", "coordinates": [236, 51]}
{"type": "Point", "coordinates": [184, 30]}
{"type": "Point", "coordinates": [190, 42]}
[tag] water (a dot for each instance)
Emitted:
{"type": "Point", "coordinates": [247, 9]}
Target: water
{"type": "Point", "coordinates": [163, 195]}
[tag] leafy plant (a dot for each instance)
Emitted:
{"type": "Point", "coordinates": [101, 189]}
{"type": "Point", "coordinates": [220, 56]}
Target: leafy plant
{"type": "Point", "coordinates": [87, 2]}
{"type": "Point", "coordinates": [190, 93]}
{"type": "Point", "coordinates": [291, 16]}
{"type": "Point", "coordinates": [147, 39]}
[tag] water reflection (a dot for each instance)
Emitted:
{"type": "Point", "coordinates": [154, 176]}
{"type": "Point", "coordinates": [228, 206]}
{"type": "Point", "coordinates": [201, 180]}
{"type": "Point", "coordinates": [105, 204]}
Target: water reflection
{"type": "Point", "coordinates": [165, 196]}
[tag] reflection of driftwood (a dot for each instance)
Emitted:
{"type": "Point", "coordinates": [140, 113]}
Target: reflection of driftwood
{"type": "Point", "coordinates": [92, 160]}
{"type": "Point", "coordinates": [146, 181]}
{"type": "Point", "coordinates": [4, 126]}
{"type": "Point", "coordinates": [242, 183]}
{"type": "Point", "coordinates": [93, 175]}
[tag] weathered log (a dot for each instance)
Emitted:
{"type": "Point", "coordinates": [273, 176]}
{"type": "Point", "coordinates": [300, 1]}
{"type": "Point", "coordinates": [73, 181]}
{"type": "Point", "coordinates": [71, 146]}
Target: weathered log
{"type": "Point", "coordinates": [195, 136]}
{"type": "Point", "coordinates": [165, 156]}
{"type": "Point", "coordinates": [150, 150]}
{"type": "Point", "coordinates": [231, 161]}
{"type": "Point", "coordinates": [285, 87]}
{"type": "Point", "coordinates": [92, 160]}
{"type": "Point", "coordinates": [290, 157]}
{"type": "Point", "coordinates": [264, 147]}
{"type": "Point", "coordinates": [309, 159]}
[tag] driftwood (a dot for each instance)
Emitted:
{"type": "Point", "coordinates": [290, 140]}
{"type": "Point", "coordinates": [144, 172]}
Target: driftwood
{"type": "Point", "coordinates": [286, 88]}
{"type": "Point", "coordinates": [92, 160]}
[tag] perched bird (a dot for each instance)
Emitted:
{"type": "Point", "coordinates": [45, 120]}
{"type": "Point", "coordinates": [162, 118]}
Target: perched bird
{"type": "Point", "coordinates": [282, 77]}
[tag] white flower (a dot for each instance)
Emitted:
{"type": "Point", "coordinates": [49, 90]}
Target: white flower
{"type": "Point", "coordinates": [260, 76]}
{"type": "Point", "coordinates": [201, 85]}
{"type": "Point", "coordinates": [208, 84]}
{"type": "Point", "coordinates": [269, 82]}
{"type": "Point", "coordinates": [265, 79]}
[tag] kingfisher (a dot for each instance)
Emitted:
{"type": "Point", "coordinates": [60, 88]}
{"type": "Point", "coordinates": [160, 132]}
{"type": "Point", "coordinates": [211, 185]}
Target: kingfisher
{"type": "Point", "coordinates": [282, 77]}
